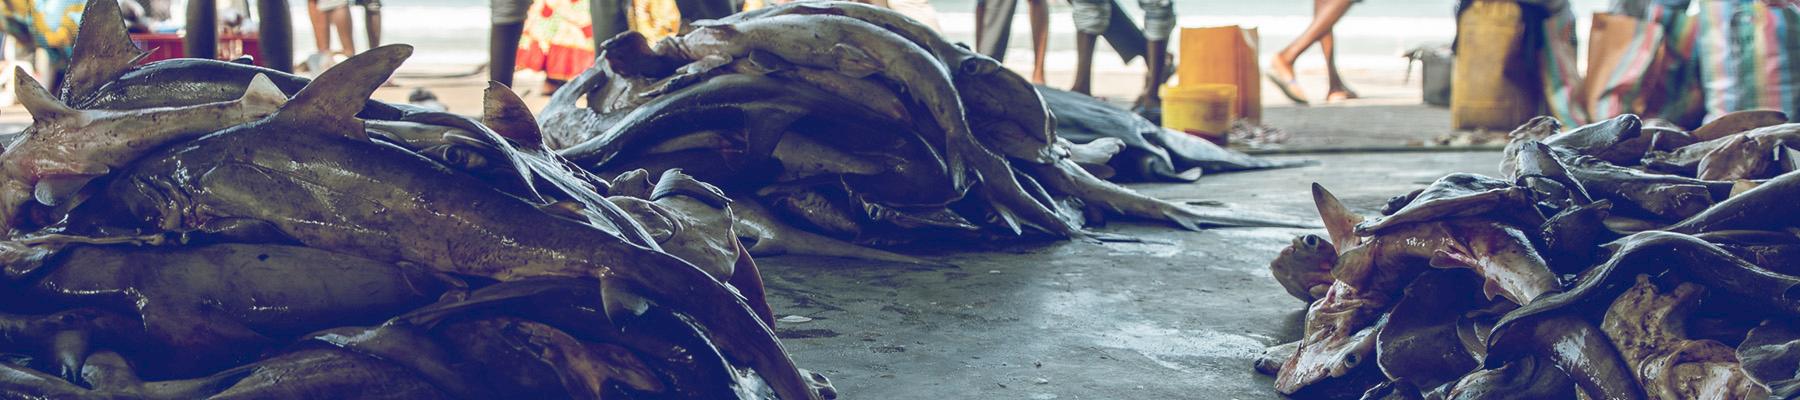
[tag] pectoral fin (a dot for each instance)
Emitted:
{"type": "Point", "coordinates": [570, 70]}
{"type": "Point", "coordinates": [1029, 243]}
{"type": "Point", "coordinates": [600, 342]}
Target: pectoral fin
{"type": "Point", "coordinates": [566, 209]}
{"type": "Point", "coordinates": [622, 306]}
{"type": "Point", "coordinates": [57, 190]}
{"type": "Point", "coordinates": [855, 62]}
{"type": "Point", "coordinates": [768, 62]}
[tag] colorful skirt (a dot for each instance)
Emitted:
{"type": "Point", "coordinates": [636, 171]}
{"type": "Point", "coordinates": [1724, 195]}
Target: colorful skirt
{"type": "Point", "coordinates": [558, 39]}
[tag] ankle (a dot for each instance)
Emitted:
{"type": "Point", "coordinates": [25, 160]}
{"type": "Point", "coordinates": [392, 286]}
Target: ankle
{"type": "Point", "coordinates": [1283, 62]}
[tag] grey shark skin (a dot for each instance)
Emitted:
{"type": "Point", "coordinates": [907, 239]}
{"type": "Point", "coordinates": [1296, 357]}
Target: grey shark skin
{"type": "Point", "coordinates": [311, 172]}
{"type": "Point", "coordinates": [857, 48]}
{"type": "Point", "coordinates": [992, 91]}
{"type": "Point", "coordinates": [1602, 139]}
{"type": "Point", "coordinates": [65, 147]}
{"type": "Point", "coordinates": [213, 306]}
{"type": "Point", "coordinates": [1767, 207]}
{"type": "Point", "coordinates": [915, 176]}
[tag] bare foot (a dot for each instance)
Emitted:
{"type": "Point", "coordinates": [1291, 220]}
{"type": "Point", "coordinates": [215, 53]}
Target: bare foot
{"type": "Point", "coordinates": [1341, 94]}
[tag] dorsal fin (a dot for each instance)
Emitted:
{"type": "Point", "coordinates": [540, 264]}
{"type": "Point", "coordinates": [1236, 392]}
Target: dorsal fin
{"type": "Point", "coordinates": [262, 91]}
{"type": "Point", "coordinates": [37, 101]}
{"type": "Point", "coordinates": [1339, 221]}
{"type": "Point", "coordinates": [107, 371]}
{"type": "Point", "coordinates": [505, 113]}
{"type": "Point", "coordinates": [332, 99]}
{"type": "Point", "coordinates": [103, 50]}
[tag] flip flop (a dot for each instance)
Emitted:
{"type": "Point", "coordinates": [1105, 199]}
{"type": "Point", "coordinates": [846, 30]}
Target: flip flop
{"type": "Point", "coordinates": [1287, 88]}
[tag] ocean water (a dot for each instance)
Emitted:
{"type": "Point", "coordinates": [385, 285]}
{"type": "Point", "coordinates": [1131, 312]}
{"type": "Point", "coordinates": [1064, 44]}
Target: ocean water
{"type": "Point", "coordinates": [454, 32]}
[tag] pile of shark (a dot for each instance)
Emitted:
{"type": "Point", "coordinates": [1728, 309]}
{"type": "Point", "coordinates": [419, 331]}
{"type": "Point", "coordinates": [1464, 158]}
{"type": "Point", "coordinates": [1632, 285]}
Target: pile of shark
{"type": "Point", "coordinates": [840, 121]}
{"type": "Point", "coordinates": [194, 228]}
{"type": "Point", "coordinates": [1627, 259]}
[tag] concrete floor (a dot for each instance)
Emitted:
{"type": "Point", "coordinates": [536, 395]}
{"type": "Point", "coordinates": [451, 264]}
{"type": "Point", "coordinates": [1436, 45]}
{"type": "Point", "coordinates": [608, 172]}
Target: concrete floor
{"type": "Point", "coordinates": [1178, 317]}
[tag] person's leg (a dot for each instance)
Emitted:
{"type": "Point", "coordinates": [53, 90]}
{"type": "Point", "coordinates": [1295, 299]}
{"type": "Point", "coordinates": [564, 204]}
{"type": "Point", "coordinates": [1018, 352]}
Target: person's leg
{"type": "Point", "coordinates": [1328, 47]}
{"type": "Point", "coordinates": [609, 20]}
{"type": "Point", "coordinates": [1339, 91]}
{"type": "Point", "coordinates": [993, 26]}
{"type": "Point", "coordinates": [321, 36]}
{"type": "Point", "coordinates": [980, 14]}
{"type": "Point", "coordinates": [507, 26]}
{"type": "Point", "coordinates": [503, 51]}
{"type": "Point", "coordinates": [1091, 19]}
{"type": "Point", "coordinates": [372, 17]}
{"type": "Point", "coordinates": [340, 23]}
{"type": "Point", "coordinates": [1084, 62]}
{"type": "Point", "coordinates": [1040, 38]}
{"type": "Point", "coordinates": [1326, 14]}
{"type": "Point", "coordinates": [1159, 24]}
{"type": "Point", "coordinates": [695, 10]}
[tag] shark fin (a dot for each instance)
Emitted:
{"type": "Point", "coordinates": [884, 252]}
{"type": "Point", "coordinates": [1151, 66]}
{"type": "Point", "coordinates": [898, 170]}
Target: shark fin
{"type": "Point", "coordinates": [54, 190]}
{"type": "Point", "coordinates": [1339, 221]}
{"type": "Point", "coordinates": [505, 113]}
{"type": "Point", "coordinates": [332, 100]}
{"type": "Point", "coordinates": [621, 305]}
{"type": "Point", "coordinates": [855, 62]}
{"type": "Point", "coordinates": [263, 92]}
{"type": "Point", "coordinates": [767, 61]}
{"type": "Point", "coordinates": [566, 209]}
{"type": "Point", "coordinates": [36, 100]}
{"type": "Point", "coordinates": [103, 50]}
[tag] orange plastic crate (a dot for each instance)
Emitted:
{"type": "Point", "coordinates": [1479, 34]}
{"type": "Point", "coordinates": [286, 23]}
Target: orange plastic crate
{"type": "Point", "coordinates": [163, 46]}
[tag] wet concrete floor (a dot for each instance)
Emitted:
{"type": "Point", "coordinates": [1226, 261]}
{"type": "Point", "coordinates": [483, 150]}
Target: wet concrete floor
{"type": "Point", "coordinates": [1180, 316]}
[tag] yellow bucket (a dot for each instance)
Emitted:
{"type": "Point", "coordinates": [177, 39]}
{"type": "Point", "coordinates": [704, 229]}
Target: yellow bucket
{"type": "Point", "coordinates": [1204, 110]}
{"type": "Point", "coordinates": [1226, 55]}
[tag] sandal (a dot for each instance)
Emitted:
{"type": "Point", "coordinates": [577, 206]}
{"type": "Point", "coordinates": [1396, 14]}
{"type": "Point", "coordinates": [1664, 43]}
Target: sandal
{"type": "Point", "coordinates": [1287, 88]}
